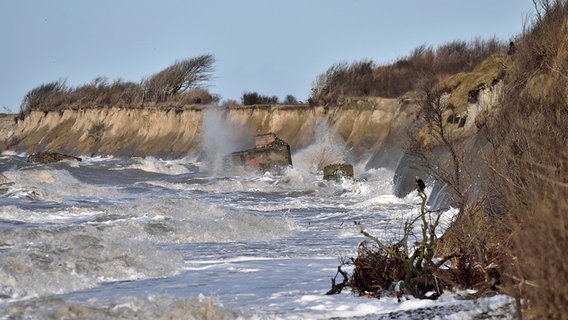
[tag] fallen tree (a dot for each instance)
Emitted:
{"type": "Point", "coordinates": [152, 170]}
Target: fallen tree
{"type": "Point", "coordinates": [397, 269]}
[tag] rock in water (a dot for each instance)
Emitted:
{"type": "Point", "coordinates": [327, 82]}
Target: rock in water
{"type": "Point", "coordinates": [337, 171]}
{"type": "Point", "coordinates": [48, 157]}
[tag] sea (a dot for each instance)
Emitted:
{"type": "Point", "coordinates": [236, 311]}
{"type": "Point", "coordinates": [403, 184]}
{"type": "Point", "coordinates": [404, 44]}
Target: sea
{"type": "Point", "coordinates": [149, 238]}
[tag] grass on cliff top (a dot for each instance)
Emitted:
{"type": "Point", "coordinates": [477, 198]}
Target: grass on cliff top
{"type": "Point", "coordinates": [460, 85]}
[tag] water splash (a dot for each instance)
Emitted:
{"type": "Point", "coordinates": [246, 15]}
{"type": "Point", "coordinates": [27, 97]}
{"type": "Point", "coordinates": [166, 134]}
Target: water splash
{"type": "Point", "coordinates": [220, 137]}
{"type": "Point", "coordinates": [327, 147]}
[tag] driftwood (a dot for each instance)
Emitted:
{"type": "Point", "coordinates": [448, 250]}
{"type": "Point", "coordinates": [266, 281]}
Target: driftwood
{"type": "Point", "coordinates": [395, 269]}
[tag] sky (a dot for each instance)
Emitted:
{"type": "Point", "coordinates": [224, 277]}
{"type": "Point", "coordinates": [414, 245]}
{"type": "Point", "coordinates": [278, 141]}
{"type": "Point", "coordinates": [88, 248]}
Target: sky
{"type": "Point", "coordinates": [272, 47]}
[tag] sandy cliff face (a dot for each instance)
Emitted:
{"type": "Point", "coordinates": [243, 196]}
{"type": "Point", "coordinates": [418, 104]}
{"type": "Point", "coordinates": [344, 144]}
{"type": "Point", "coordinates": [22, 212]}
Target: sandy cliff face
{"type": "Point", "coordinates": [108, 131]}
{"type": "Point", "coordinates": [364, 125]}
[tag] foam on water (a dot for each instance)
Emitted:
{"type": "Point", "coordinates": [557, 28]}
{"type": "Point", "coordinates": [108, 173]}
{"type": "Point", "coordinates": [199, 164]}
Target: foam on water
{"type": "Point", "coordinates": [69, 215]}
{"type": "Point", "coordinates": [12, 153]}
{"type": "Point", "coordinates": [152, 307]}
{"type": "Point", "coordinates": [151, 164]}
{"type": "Point", "coordinates": [45, 183]}
{"type": "Point", "coordinates": [263, 246]}
{"type": "Point", "coordinates": [187, 221]}
{"type": "Point", "coordinates": [36, 261]}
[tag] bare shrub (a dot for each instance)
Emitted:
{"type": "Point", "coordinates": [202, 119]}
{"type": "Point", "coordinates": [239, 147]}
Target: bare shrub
{"type": "Point", "coordinates": [396, 268]}
{"type": "Point", "coordinates": [376, 269]}
{"type": "Point", "coordinates": [290, 99]}
{"type": "Point", "coordinates": [125, 93]}
{"type": "Point", "coordinates": [438, 137]}
{"type": "Point", "coordinates": [250, 98]}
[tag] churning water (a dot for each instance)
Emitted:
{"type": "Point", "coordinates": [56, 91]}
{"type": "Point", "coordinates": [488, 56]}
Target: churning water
{"type": "Point", "coordinates": [148, 238]}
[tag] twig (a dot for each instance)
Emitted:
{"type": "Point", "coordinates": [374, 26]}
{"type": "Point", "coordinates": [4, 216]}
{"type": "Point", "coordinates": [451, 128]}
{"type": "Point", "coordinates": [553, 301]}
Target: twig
{"type": "Point", "coordinates": [336, 288]}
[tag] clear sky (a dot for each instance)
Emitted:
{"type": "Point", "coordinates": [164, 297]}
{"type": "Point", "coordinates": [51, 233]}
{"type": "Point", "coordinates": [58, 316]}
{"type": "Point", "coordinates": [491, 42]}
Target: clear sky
{"type": "Point", "coordinates": [273, 47]}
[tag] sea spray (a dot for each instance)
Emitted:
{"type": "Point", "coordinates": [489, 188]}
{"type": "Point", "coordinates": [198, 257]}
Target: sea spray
{"type": "Point", "coordinates": [327, 147]}
{"type": "Point", "coordinates": [220, 137]}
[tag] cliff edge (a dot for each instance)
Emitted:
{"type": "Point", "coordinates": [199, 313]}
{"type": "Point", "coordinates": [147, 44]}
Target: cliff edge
{"type": "Point", "coordinates": [364, 124]}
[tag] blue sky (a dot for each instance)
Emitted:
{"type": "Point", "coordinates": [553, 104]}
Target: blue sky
{"type": "Point", "coordinates": [270, 47]}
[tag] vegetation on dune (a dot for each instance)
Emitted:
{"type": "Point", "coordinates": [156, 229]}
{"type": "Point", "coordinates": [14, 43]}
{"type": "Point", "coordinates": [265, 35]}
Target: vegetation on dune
{"type": "Point", "coordinates": [250, 98]}
{"type": "Point", "coordinates": [254, 98]}
{"type": "Point", "coordinates": [182, 83]}
{"type": "Point", "coordinates": [365, 78]}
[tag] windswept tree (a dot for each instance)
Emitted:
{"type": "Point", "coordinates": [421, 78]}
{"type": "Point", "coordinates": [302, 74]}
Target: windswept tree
{"type": "Point", "coordinates": [178, 78]}
{"type": "Point", "coordinates": [40, 97]}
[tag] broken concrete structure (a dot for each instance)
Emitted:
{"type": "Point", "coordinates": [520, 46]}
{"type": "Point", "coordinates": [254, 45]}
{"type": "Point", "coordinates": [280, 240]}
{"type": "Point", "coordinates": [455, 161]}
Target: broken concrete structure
{"type": "Point", "coordinates": [269, 154]}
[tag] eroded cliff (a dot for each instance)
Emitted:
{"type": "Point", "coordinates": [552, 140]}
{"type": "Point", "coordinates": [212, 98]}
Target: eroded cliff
{"type": "Point", "coordinates": [364, 124]}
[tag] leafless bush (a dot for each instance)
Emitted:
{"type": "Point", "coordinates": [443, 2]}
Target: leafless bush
{"type": "Point", "coordinates": [436, 145]}
{"type": "Point", "coordinates": [100, 92]}
{"type": "Point", "coordinates": [290, 99]}
{"type": "Point", "coordinates": [250, 98]}
{"type": "Point", "coordinates": [342, 79]}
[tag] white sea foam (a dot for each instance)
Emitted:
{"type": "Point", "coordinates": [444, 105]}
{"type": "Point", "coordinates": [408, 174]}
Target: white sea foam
{"type": "Point", "coordinates": [64, 259]}
{"type": "Point", "coordinates": [50, 184]}
{"type": "Point", "coordinates": [151, 164]}
{"type": "Point", "coordinates": [69, 215]}
{"type": "Point", "coordinates": [189, 221]}
{"type": "Point", "coordinates": [12, 153]}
